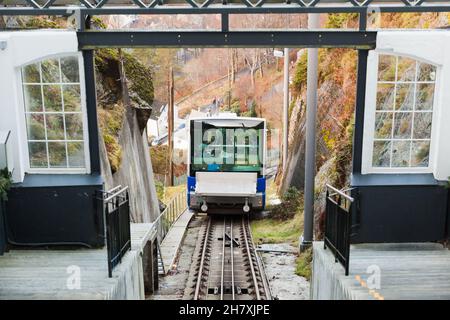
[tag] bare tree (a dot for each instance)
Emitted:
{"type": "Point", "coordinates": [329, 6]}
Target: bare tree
{"type": "Point", "coordinates": [252, 58]}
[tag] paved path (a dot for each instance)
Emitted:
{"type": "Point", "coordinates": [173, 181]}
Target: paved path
{"type": "Point", "coordinates": [171, 243]}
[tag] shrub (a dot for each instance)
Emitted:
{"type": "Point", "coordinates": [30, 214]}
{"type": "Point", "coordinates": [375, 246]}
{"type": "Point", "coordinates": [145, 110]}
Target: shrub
{"type": "Point", "coordinates": [291, 202]}
{"type": "Point", "coordinates": [299, 81]}
{"type": "Point", "coordinates": [159, 189]}
{"type": "Point", "coordinates": [5, 183]}
{"type": "Point", "coordinates": [303, 267]}
{"type": "Point", "coordinates": [114, 151]}
{"type": "Point", "coordinates": [160, 159]}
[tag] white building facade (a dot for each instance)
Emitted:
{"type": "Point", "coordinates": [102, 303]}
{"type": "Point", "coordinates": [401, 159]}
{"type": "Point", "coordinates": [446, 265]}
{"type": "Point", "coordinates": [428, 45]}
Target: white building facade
{"type": "Point", "coordinates": [407, 111]}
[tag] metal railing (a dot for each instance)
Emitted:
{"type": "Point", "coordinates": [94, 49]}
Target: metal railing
{"type": "Point", "coordinates": [176, 206]}
{"type": "Point", "coordinates": [338, 224]}
{"type": "Point", "coordinates": [116, 206]}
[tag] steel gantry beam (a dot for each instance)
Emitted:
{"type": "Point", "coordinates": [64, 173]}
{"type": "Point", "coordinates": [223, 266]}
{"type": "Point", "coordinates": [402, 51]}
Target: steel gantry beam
{"type": "Point", "coordinates": [114, 7]}
{"type": "Point", "coordinates": [323, 39]}
{"type": "Point", "coordinates": [230, 9]}
{"type": "Point", "coordinates": [202, 4]}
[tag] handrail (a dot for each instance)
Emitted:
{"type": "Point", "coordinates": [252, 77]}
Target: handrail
{"type": "Point", "coordinates": [341, 192]}
{"type": "Point", "coordinates": [338, 224]}
{"type": "Point", "coordinates": [115, 194]}
{"type": "Point", "coordinates": [164, 211]}
{"type": "Point", "coordinates": [176, 206]}
{"type": "Point", "coordinates": [111, 191]}
{"type": "Point", "coordinates": [115, 204]}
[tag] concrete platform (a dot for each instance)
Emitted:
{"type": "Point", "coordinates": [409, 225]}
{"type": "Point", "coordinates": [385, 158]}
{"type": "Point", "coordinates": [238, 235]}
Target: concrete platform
{"type": "Point", "coordinates": [140, 234]}
{"type": "Point", "coordinates": [383, 272]}
{"type": "Point", "coordinates": [53, 274]}
{"type": "Point", "coordinates": [171, 243]}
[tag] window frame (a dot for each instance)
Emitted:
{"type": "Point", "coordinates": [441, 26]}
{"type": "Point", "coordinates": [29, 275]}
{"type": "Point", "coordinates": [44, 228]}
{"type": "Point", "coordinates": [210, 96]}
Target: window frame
{"type": "Point", "coordinates": [23, 124]}
{"type": "Point", "coordinates": [370, 115]}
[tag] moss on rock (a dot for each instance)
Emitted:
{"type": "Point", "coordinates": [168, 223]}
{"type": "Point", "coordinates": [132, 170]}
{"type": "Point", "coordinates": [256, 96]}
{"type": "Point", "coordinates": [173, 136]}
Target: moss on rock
{"type": "Point", "coordinates": [140, 77]}
{"type": "Point", "coordinates": [110, 121]}
{"type": "Point", "coordinates": [299, 81]}
{"type": "Point", "coordinates": [44, 23]}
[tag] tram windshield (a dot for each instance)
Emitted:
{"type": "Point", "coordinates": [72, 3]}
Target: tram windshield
{"type": "Point", "coordinates": [235, 145]}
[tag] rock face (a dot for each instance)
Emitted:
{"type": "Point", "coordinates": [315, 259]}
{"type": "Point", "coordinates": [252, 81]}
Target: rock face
{"type": "Point", "coordinates": [135, 172]}
{"type": "Point", "coordinates": [117, 88]}
{"type": "Point", "coordinates": [295, 169]}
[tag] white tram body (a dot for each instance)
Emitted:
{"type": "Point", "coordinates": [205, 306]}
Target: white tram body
{"type": "Point", "coordinates": [226, 164]}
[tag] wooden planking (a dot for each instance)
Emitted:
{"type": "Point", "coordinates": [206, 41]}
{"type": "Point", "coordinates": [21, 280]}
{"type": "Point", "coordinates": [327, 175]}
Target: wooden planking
{"type": "Point", "coordinates": [42, 274]}
{"type": "Point", "coordinates": [407, 271]}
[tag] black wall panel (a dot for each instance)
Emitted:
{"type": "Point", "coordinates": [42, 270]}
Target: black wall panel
{"type": "Point", "coordinates": [448, 214]}
{"type": "Point", "coordinates": [408, 213]}
{"type": "Point", "coordinates": [55, 214]}
{"type": "Point", "coordinates": [2, 229]}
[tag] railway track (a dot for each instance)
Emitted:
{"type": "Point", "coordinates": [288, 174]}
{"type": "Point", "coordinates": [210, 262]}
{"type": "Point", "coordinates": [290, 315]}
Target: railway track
{"type": "Point", "coordinates": [227, 265]}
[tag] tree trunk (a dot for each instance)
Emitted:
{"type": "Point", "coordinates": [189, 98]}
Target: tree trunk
{"type": "Point", "coordinates": [252, 76]}
{"type": "Point", "coordinates": [235, 63]}
{"type": "Point", "coordinates": [260, 63]}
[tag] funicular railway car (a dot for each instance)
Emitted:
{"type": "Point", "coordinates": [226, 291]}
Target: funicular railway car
{"type": "Point", "coordinates": [226, 164]}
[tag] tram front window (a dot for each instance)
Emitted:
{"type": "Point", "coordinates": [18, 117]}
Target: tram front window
{"type": "Point", "coordinates": [227, 145]}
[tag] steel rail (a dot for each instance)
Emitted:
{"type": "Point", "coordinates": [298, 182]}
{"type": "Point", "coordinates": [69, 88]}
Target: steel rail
{"type": "Point", "coordinates": [223, 259]}
{"type": "Point", "coordinates": [202, 261]}
{"type": "Point", "coordinates": [262, 268]}
{"type": "Point", "coordinates": [232, 259]}
{"type": "Point", "coordinates": [252, 269]}
{"type": "Point", "coordinates": [213, 284]}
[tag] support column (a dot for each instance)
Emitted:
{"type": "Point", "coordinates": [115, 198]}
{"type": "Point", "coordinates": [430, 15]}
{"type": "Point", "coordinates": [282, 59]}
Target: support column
{"type": "Point", "coordinates": [310, 156]}
{"type": "Point", "coordinates": [359, 111]}
{"type": "Point", "coordinates": [360, 102]}
{"type": "Point", "coordinates": [148, 266]}
{"type": "Point", "coordinates": [225, 22]}
{"type": "Point", "coordinates": [285, 108]}
{"type": "Point", "coordinates": [170, 127]}
{"type": "Point", "coordinates": [91, 106]}
{"type": "Point", "coordinates": [155, 265]}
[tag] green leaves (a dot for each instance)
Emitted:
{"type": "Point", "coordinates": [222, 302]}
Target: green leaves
{"type": "Point", "coordinates": [5, 183]}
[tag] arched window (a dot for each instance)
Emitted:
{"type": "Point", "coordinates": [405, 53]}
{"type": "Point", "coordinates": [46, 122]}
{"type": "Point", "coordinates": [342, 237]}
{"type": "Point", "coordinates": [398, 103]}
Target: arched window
{"type": "Point", "coordinates": [403, 113]}
{"type": "Point", "coordinates": [54, 114]}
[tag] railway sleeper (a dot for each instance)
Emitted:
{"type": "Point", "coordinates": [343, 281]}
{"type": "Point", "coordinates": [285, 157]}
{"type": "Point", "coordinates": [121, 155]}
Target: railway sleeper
{"type": "Point", "coordinates": [228, 290]}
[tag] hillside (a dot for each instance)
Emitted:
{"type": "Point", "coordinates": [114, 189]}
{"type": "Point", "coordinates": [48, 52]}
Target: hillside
{"type": "Point", "coordinates": [336, 101]}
